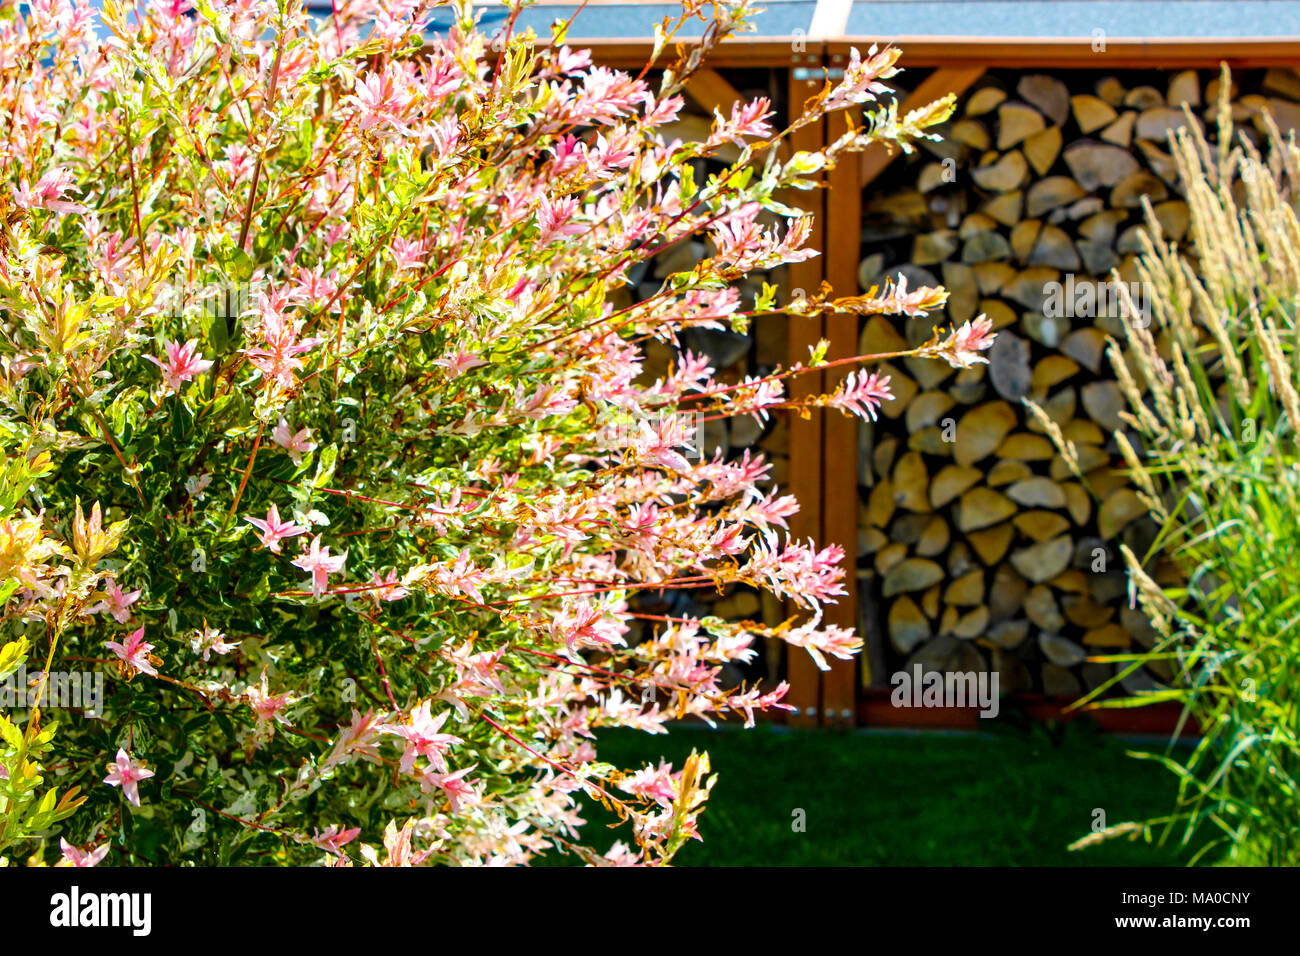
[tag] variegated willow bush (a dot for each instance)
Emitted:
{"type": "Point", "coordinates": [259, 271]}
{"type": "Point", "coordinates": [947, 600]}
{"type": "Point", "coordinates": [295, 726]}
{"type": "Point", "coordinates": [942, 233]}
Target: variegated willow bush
{"type": "Point", "coordinates": [359, 556]}
{"type": "Point", "coordinates": [1211, 443]}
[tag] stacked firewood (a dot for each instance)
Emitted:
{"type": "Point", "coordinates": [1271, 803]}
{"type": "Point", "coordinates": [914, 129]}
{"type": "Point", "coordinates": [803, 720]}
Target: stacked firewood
{"type": "Point", "coordinates": [980, 546]}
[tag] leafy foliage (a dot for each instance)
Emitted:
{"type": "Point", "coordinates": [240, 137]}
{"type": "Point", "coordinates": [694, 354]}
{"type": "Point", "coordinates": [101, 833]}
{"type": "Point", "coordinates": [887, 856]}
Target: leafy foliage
{"type": "Point", "coordinates": [320, 319]}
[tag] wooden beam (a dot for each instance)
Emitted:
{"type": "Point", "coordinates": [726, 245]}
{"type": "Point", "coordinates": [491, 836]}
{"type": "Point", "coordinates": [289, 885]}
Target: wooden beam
{"type": "Point", "coordinates": [938, 84]}
{"type": "Point", "coordinates": [805, 434]}
{"type": "Point", "coordinates": [710, 90]}
{"type": "Point", "coordinates": [1077, 53]}
{"type": "Point", "coordinates": [1121, 53]}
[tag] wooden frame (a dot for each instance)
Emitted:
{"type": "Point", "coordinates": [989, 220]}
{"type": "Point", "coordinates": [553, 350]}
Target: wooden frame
{"type": "Point", "coordinates": [824, 447]}
{"type": "Point", "coordinates": [806, 444]}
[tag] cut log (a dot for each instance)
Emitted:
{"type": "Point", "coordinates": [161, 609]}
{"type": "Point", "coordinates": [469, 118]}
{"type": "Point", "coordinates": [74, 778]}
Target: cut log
{"type": "Point", "coordinates": [879, 336]}
{"type": "Point", "coordinates": [1040, 525]}
{"type": "Point", "coordinates": [1008, 634]}
{"type": "Point", "coordinates": [1083, 432]}
{"type": "Point", "coordinates": [984, 101]}
{"type": "Point", "coordinates": [871, 540]}
{"type": "Point", "coordinates": [1042, 149]}
{"type": "Point", "coordinates": [890, 557]}
{"type": "Point", "coordinates": [1060, 408]}
{"type": "Point", "coordinates": [1061, 651]}
{"type": "Point", "coordinates": [1060, 683]}
{"type": "Point", "coordinates": [1091, 112]}
{"type": "Point", "coordinates": [907, 528]}
{"type": "Point", "coordinates": [869, 270]}
{"type": "Point", "coordinates": [1086, 346]}
{"type": "Point", "coordinates": [991, 276]}
{"type": "Point", "coordinates": [1016, 122]}
{"type": "Point", "coordinates": [1029, 286]}
{"type": "Point", "coordinates": [1084, 612]}
{"type": "Point", "coordinates": [911, 483]}
{"type": "Point", "coordinates": [1047, 93]}
{"type": "Point", "coordinates": [1144, 98]}
{"type": "Point", "coordinates": [1121, 507]}
{"type": "Point", "coordinates": [914, 574]}
{"type": "Point", "coordinates": [880, 504]}
{"type": "Point", "coordinates": [907, 626]}
{"type": "Point", "coordinates": [1185, 87]}
{"type": "Point", "coordinates": [1129, 191]}
{"type": "Point", "coordinates": [1009, 366]}
{"type": "Point", "coordinates": [991, 544]}
{"type": "Point", "coordinates": [963, 292]}
{"type": "Point", "coordinates": [1046, 330]}
{"type": "Point", "coordinates": [1042, 609]}
{"type": "Point", "coordinates": [1023, 237]}
{"type": "Point", "coordinates": [1043, 561]}
{"type": "Point", "coordinates": [1103, 401]}
{"type": "Point", "coordinates": [1111, 636]}
{"type": "Point", "coordinates": [967, 590]}
{"type": "Point", "coordinates": [932, 247]}
{"type": "Point", "coordinates": [930, 601]}
{"type": "Point", "coordinates": [1013, 674]}
{"type": "Point", "coordinates": [998, 312]}
{"type": "Point", "coordinates": [972, 133]}
{"type": "Point", "coordinates": [1037, 493]}
{"type": "Point", "coordinates": [1047, 194]}
{"type": "Point", "coordinates": [934, 539]}
{"type": "Point", "coordinates": [985, 247]}
{"type": "Point", "coordinates": [981, 430]}
{"type": "Point", "coordinates": [1003, 174]}
{"type": "Point", "coordinates": [982, 508]}
{"type": "Point", "coordinates": [1098, 257]}
{"type": "Point", "coordinates": [1111, 90]}
{"type": "Point", "coordinates": [951, 482]}
{"type": "Point", "coordinates": [970, 625]}
{"type": "Point", "coordinates": [1103, 226]}
{"type": "Point", "coordinates": [1094, 165]}
{"type": "Point", "coordinates": [1120, 132]}
{"type": "Point", "coordinates": [927, 409]}
{"type": "Point", "coordinates": [1026, 447]}
{"type": "Point", "coordinates": [1054, 248]}
{"type": "Point", "coordinates": [1156, 124]}
{"type": "Point", "coordinates": [1052, 371]}
{"type": "Point", "coordinates": [902, 387]}
{"type": "Point", "coordinates": [1008, 592]}
{"type": "Point", "coordinates": [1174, 218]}
{"type": "Point", "coordinates": [882, 456]}
{"type": "Point", "coordinates": [976, 223]}
{"type": "Point", "coordinates": [1005, 208]}
{"type": "Point", "coordinates": [1007, 471]}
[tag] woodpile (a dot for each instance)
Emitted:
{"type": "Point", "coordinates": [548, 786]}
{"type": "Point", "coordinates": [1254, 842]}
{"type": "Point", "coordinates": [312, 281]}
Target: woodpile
{"type": "Point", "coordinates": [980, 547]}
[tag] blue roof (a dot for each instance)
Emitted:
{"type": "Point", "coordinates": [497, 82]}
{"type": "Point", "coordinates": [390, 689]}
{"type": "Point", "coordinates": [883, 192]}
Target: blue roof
{"type": "Point", "coordinates": [968, 20]}
{"type": "Point", "coordinates": [1064, 19]}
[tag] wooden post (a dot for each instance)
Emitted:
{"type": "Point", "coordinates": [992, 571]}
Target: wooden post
{"type": "Point", "coordinates": [839, 512]}
{"type": "Point", "coordinates": [805, 434]}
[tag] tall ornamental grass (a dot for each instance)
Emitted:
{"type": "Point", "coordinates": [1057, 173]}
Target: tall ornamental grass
{"type": "Point", "coordinates": [1211, 440]}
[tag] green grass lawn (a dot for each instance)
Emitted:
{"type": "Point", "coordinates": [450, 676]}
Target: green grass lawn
{"type": "Point", "coordinates": [1014, 798]}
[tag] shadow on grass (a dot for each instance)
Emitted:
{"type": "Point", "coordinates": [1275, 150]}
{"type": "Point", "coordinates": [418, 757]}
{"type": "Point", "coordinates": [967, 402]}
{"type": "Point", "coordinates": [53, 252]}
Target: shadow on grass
{"type": "Point", "coordinates": [1017, 797]}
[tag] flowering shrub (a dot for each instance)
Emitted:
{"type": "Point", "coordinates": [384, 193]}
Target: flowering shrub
{"type": "Point", "coordinates": [315, 319]}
